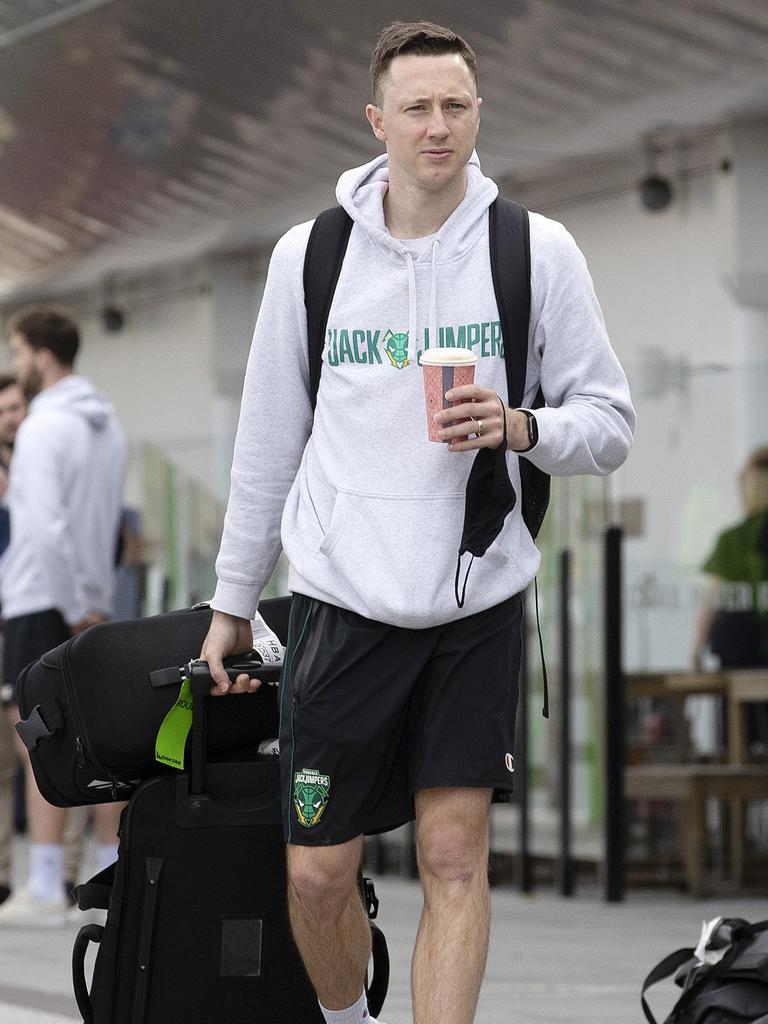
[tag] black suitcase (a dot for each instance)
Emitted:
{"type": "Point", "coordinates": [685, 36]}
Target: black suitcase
{"type": "Point", "coordinates": [91, 711]}
{"type": "Point", "coordinates": [197, 926]}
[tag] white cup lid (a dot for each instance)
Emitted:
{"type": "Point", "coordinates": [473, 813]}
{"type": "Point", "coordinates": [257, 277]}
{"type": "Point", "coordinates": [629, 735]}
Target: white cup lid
{"type": "Point", "coordinates": [448, 357]}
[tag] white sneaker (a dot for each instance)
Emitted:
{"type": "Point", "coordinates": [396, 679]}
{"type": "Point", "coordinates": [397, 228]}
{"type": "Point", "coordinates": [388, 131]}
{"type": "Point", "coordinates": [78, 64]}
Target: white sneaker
{"type": "Point", "coordinates": [20, 910]}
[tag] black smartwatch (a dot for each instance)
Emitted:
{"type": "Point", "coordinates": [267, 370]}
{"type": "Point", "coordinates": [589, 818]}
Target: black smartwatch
{"type": "Point", "coordinates": [533, 431]}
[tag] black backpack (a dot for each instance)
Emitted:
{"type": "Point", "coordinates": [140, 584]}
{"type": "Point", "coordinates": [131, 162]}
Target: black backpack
{"type": "Point", "coordinates": [732, 991]}
{"type": "Point", "coordinates": [510, 253]}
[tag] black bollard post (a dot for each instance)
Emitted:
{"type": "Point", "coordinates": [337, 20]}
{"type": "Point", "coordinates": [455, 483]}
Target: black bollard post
{"type": "Point", "coordinates": [614, 720]}
{"type": "Point", "coordinates": [524, 874]}
{"type": "Point", "coordinates": [565, 869]}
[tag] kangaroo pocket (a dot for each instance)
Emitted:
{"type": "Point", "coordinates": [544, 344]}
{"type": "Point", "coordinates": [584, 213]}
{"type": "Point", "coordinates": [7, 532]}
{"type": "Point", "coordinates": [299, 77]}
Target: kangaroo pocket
{"type": "Point", "coordinates": [395, 553]}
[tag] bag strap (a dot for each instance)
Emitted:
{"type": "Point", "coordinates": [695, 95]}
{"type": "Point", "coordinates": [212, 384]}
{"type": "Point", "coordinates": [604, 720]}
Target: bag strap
{"type": "Point", "coordinates": [509, 239]}
{"type": "Point", "coordinates": [326, 248]}
{"type": "Point", "coordinates": [663, 970]}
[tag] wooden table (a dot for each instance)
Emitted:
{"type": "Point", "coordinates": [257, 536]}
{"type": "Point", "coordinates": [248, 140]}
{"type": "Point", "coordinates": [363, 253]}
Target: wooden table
{"type": "Point", "coordinates": [691, 784]}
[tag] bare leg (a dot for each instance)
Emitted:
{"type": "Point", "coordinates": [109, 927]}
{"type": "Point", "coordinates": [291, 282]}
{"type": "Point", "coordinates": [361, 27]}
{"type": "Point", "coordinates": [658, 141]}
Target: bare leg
{"type": "Point", "coordinates": [329, 922]}
{"type": "Point", "coordinates": [107, 819]}
{"type": "Point", "coordinates": [74, 841]}
{"type": "Point", "coordinates": [452, 940]}
{"type": "Point", "coordinates": [45, 823]}
{"type": "Point", "coordinates": [9, 762]}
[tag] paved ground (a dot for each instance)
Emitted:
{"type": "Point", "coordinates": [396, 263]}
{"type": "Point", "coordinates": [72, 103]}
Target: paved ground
{"type": "Point", "coordinates": [553, 961]}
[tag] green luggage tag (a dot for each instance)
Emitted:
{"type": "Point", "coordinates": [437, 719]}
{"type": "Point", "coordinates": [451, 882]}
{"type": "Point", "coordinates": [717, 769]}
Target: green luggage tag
{"type": "Point", "coordinates": [172, 734]}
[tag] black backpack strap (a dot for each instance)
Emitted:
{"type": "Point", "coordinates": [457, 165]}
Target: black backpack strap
{"type": "Point", "coordinates": [663, 970]}
{"type": "Point", "coordinates": [322, 265]}
{"type": "Point", "coordinates": [510, 244]}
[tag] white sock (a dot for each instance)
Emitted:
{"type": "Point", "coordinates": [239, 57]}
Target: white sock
{"type": "Point", "coordinates": [355, 1014]}
{"type": "Point", "coordinates": [106, 854]}
{"type": "Point", "coordinates": [46, 871]}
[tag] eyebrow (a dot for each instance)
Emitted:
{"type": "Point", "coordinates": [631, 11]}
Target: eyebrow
{"type": "Point", "coordinates": [463, 97]}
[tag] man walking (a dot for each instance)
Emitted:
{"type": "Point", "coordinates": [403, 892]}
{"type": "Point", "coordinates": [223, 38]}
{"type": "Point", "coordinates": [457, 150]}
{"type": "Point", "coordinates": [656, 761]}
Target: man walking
{"type": "Point", "coordinates": [64, 496]}
{"type": "Point", "coordinates": [394, 701]}
{"type": "Point", "coordinates": [13, 409]}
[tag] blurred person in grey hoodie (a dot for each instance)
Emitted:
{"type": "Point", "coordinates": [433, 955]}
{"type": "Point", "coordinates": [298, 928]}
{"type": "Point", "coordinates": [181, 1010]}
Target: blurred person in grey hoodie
{"type": "Point", "coordinates": [395, 702]}
{"type": "Point", "coordinates": [13, 409]}
{"type": "Point", "coordinates": [56, 577]}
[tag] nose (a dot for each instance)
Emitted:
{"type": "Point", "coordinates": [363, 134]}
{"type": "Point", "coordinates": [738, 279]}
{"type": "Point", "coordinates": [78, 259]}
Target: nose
{"type": "Point", "coordinates": [438, 126]}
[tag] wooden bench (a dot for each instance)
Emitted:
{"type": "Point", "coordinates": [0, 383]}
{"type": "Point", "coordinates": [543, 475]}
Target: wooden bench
{"type": "Point", "coordinates": [692, 785]}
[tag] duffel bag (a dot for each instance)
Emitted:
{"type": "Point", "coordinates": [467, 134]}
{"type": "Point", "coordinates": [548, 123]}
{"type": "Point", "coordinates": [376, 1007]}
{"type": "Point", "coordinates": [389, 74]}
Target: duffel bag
{"type": "Point", "coordinates": [91, 708]}
{"type": "Point", "coordinates": [724, 979]}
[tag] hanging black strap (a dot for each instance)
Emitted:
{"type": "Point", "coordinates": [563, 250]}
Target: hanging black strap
{"type": "Point", "coordinates": [322, 265]}
{"type": "Point", "coordinates": [663, 970]}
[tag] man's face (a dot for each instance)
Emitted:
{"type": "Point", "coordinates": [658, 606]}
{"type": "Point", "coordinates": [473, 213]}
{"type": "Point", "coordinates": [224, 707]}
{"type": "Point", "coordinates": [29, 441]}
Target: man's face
{"type": "Point", "coordinates": [25, 360]}
{"type": "Point", "coordinates": [428, 118]}
{"type": "Point", "coordinates": [13, 409]}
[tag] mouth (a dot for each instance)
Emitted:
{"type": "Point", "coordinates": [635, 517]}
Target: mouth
{"type": "Point", "coordinates": [437, 154]}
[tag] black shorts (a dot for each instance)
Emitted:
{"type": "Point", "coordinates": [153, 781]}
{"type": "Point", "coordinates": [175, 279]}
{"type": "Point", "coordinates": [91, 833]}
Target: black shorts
{"type": "Point", "coordinates": [371, 713]}
{"type": "Point", "coordinates": [27, 638]}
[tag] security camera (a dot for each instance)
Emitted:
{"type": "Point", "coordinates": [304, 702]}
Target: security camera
{"type": "Point", "coordinates": [655, 192]}
{"type": "Point", "coordinates": [113, 319]}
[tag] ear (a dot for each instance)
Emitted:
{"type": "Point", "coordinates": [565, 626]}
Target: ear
{"type": "Point", "coordinates": [375, 119]}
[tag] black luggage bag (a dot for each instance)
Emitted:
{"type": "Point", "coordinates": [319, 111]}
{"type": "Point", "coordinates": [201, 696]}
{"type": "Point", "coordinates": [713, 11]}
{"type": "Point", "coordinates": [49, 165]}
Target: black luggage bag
{"type": "Point", "coordinates": [91, 708]}
{"type": "Point", "coordinates": [197, 926]}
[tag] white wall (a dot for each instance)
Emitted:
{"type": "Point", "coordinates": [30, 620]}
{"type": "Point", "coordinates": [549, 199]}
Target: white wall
{"type": "Point", "coordinates": [660, 283]}
{"type": "Point", "coordinates": [158, 372]}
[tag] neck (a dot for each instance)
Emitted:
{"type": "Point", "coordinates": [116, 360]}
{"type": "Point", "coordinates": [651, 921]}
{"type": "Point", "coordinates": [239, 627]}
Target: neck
{"type": "Point", "coordinates": [412, 212]}
{"type": "Point", "coordinates": [54, 374]}
{"type": "Point", "coordinates": [6, 451]}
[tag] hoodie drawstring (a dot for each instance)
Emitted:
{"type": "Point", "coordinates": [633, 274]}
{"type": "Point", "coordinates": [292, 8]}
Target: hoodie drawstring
{"type": "Point", "coordinates": [412, 312]}
{"type": "Point", "coordinates": [412, 307]}
{"type": "Point", "coordinates": [433, 298]}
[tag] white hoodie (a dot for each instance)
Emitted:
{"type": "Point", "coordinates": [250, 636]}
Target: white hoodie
{"type": "Point", "coordinates": [369, 511]}
{"type": "Point", "coordinates": [64, 496]}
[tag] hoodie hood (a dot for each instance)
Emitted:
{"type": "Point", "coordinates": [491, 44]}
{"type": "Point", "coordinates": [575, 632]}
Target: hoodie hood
{"type": "Point", "coordinates": [361, 192]}
{"type": "Point", "coordinates": [76, 394]}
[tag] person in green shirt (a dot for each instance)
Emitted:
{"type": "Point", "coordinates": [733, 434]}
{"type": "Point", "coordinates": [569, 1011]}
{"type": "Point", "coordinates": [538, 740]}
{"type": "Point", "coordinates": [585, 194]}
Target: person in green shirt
{"type": "Point", "coordinates": [733, 619]}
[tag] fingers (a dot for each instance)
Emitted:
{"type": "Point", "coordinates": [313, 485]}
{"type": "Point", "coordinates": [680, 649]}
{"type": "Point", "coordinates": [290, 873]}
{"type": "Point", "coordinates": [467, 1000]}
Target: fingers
{"type": "Point", "coordinates": [243, 684]}
{"type": "Point", "coordinates": [482, 419]}
{"type": "Point", "coordinates": [217, 671]}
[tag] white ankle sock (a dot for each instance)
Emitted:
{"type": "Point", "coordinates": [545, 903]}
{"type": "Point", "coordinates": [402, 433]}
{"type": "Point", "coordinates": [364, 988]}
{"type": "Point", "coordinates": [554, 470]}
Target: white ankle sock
{"type": "Point", "coordinates": [355, 1014]}
{"type": "Point", "coordinates": [46, 876]}
{"type": "Point", "coordinates": [106, 854]}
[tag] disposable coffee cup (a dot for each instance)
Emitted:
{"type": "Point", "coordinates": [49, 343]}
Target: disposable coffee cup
{"type": "Point", "coordinates": [444, 368]}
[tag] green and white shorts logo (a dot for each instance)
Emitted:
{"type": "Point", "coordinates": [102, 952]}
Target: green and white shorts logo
{"type": "Point", "coordinates": [310, 795]}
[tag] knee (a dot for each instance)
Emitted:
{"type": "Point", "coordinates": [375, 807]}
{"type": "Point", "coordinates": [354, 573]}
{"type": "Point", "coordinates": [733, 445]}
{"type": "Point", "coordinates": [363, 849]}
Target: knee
{"type": "Point", "coordinates": [453, 854]}
{"type": "Point", "coordinates": [319, 876]}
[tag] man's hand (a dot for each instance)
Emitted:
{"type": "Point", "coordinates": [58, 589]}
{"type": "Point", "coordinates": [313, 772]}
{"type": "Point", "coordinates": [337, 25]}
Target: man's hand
{"type": "Point", "coordinates": [91, 619]}
{"type": "Point", "coordinates": [228, 635]}
{"type": "Point", "coordinates": [480, 408]}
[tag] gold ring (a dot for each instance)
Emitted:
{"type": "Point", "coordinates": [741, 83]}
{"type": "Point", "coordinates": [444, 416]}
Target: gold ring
{"type": "Point", "coordinates": [479, 430]}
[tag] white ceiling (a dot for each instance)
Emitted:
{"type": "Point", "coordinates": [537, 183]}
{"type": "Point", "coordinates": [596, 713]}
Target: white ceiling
{"type": "Point", "coordinates": [136, 132]}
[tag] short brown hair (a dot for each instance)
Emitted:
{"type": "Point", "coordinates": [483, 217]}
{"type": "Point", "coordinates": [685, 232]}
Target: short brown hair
{"type": "Point", "coordinates": [44, 327]}
{"type": "Point", "coordinates": [423, 38]}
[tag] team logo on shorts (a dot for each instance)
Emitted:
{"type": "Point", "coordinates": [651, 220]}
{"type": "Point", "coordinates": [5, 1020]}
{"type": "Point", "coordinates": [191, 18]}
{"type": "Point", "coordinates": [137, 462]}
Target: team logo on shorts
{"type": "Point", "coordinates": [509, 761]}
{"type": "Point", "coordinates": [310, 795]}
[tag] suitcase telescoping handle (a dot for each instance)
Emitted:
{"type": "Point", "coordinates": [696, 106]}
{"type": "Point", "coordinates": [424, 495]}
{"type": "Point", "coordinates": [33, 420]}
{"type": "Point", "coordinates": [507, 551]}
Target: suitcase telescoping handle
{"type": "Point", "coordinates": [200, 681]}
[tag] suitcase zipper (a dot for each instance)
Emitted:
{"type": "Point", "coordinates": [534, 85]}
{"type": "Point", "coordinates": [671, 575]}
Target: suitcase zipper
{"type": "Point", "coordinates": [84, 755]}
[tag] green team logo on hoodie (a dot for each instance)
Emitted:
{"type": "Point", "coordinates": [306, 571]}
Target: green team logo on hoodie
{"type": "Point", "coordinates": [368, 347]}
{"type": "Point", "coordinates": [310, 795]}
{"type": "Point", "coordinates": [396, 348]}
